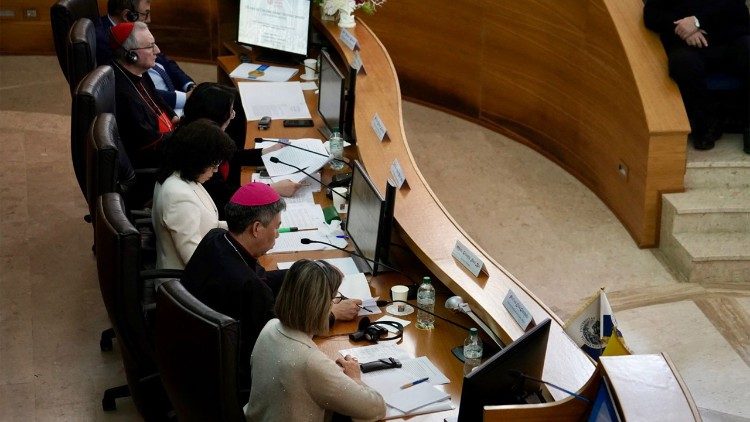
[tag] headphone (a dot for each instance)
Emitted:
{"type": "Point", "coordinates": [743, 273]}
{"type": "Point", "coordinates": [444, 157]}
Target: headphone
{"type": "Point", "coordinates": [130, 55]}
{"type": "Point", "coordinates": [131, 15]}
{"type": "Point", "coordinates": [375, 331]}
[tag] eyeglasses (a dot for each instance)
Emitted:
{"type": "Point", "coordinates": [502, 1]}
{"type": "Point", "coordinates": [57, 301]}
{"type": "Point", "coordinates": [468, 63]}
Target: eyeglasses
{"type": "Point", "coordinates": [151, 46]}
{"type": "Point", "coordinates": [145, 14]}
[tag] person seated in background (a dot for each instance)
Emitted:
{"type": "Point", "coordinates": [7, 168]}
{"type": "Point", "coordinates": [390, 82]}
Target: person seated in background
{"type": "Point", "coordinates": [287, 366]}
{"type": "Point", "coordinates": [224, 272]}
{"type": "Point", "coordinates": [171, 82]}
{"type": "Point", "coordinates": [702, 37]}
{"type": "Point", "coordinates": [183, 212]}
{"type": "Point", "coordinates": [143, 118]}
{"type": "Point", "coordinates": [218, 103]}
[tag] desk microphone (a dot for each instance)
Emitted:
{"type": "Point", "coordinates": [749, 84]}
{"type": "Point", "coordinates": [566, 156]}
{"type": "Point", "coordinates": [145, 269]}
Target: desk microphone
{"type": "Point", "coordinates": [520, 375]}
{"type": "Point", "coordinates": [276, 160]}
{"type": "Point", "coordinates": [289, 144]}
{"type": "Point", "coordinates": [306, 241]}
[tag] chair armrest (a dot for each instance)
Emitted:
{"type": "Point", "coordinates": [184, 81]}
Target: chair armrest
{"type": "Point", "coordinates": [162, 273]}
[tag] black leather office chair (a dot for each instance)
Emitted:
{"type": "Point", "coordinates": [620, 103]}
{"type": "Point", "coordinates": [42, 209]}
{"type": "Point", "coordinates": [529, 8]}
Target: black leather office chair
{"type": "Point", "coordinates": [63, 15]}
{"type": "Point", "coordinates": [121, 282]}
{"type": "Point", "coordinates": [81, 51]}
{"type": "Point", "coordinates": [197, 355]}
{"type": "Point", "coordinates": [94, 95]}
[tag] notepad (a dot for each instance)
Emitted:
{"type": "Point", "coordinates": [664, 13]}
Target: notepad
{"type": "Point", "coordinates": [415, 397]}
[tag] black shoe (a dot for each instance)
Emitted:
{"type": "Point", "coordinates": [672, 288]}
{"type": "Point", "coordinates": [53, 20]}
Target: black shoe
{"type": "Point", "coordinates": [703, 144]}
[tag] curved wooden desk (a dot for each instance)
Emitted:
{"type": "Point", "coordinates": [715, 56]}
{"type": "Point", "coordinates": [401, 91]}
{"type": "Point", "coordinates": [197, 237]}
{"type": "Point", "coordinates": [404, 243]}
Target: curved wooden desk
{"type": "Point", "coordinates": [582, 82]}
{"type": "Point", "coordinates": [427, 227]}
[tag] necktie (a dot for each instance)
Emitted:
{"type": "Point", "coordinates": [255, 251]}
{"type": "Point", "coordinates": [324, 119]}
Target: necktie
{"type": "Point", "coordinates": [167, 81]}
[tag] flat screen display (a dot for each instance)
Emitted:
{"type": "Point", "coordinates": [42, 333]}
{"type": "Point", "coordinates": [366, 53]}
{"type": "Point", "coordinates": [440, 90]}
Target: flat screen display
{"type": "Point", "coordinates": [331, 95]}
{"type": "Point", "coordinates": [364, 214]}
{"type": "Point", "coordinates": [281, 25]}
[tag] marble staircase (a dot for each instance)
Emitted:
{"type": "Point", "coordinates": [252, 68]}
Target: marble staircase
{"type": "Point", "coordinates": [705, 231]}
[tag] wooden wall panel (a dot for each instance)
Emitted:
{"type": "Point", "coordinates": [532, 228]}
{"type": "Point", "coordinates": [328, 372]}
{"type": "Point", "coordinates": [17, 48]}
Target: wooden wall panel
{"type": "Point", "coordinates": [583, 82]}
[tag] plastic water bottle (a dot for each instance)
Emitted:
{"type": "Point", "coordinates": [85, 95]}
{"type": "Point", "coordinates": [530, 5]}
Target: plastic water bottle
{"type": "Point", "coordinates": [426, 300]}
{"type": "Point", "coordinates": [472, 351]}
{"type": "Point", "coordinates": [336, 144]}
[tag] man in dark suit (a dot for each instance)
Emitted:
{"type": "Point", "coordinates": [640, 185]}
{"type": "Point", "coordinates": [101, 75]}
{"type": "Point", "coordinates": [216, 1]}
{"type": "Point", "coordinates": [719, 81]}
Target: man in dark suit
{"type": "Point", "coordinates": [172, 83]}
{"type": "Point", "coordinates": [702, 37]}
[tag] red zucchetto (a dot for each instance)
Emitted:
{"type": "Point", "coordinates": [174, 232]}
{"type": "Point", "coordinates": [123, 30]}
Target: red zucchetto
{"type": "Point", "coordinates": [119, 33]}
{"type": "Point", "coordinates": [255, 194]}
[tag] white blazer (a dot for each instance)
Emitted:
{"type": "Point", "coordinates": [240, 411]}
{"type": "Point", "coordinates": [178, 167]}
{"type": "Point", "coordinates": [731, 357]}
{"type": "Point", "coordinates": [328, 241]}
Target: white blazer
{"type": "Point", "coordinates": [182, 214]}
{"type": "Point", "coordinates": [294, 381]}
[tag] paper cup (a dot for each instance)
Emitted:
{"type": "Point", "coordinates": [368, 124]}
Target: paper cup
{"type": "Point", "coordinates": [338, 200]}
{"type": "Point", "coordinates": [311, 66]}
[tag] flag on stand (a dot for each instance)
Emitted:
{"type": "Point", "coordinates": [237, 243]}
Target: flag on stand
{"type": "Point", "coordinates": [592, 327]}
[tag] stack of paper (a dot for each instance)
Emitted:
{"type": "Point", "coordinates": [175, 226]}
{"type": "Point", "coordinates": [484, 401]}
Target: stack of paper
{"type": "Point", "coordinates": [307, 154]}
{"type": "Point", "coordinates": [303, 216]}
{"type": "Point", "coordinates": [278, 100]}
{"type": "Point", "coordinates": [266, 73]}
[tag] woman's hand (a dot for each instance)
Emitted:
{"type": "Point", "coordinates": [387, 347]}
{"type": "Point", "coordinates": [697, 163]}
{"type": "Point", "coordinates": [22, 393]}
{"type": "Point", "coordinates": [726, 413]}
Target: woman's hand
{"type": "Point", "coordinates": [286, 187]}
{"type": "Point", "coordinates": [346, 310]}
{"type": "Point", "coordinates": [351, 367]}
{"type": "Point", "coordinates": [272, 148]}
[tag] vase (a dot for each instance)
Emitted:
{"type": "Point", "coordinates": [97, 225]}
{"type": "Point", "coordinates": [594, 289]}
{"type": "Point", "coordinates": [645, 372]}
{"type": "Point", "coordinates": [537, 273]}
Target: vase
{"type": "Point", "coordinates": [346, 20]}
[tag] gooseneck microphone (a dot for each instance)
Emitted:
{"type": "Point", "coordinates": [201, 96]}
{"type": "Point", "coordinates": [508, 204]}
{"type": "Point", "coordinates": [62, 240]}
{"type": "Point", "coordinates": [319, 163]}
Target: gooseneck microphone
{"type": "Point", "coordinates": [289, 144]}
{"type": "Point", "coordinates": [520, 375]}
{"type": "Point", "coordinates": [276, 160]}
{"type": "Point", "coordinates": [306, 241]}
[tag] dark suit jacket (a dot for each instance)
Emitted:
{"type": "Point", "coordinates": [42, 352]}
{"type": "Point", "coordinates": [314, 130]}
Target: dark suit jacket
{"type": "Point", "coordinates": [104, 55]}
{"type": "Point", "coordinates": [226, 278]}
{"type": "Point", "coordinates": [723, 20]}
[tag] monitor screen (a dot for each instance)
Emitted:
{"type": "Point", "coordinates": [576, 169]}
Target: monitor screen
{"type": "Point", "coordinates": [281, 25]}
{"type": "Point", "coordinates": [493, 382]}
{"type": "Point", "coordinates": [331, 95]}
{"type": "Point", "coordinates": [364, 214]}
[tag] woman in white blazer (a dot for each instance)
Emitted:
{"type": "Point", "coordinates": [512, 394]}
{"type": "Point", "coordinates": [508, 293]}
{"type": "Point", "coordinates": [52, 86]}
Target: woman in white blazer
{"type": "Point", "coordinates": [291, 379]}
{"type": "Point", "coordinates": [183, 212]}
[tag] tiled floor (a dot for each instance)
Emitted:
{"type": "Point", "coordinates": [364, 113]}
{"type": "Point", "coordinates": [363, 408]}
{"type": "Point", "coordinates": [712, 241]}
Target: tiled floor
{"type": "Point", "coordinates": [551, 232]}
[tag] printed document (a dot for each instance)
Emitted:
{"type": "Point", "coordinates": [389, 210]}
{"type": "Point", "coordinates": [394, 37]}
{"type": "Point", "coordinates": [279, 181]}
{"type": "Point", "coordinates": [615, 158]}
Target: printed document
{"type": "Point", "coordinates": [270, 73]}
{"type": "Point", "coordinates": [279, 100]}
{"type": "Point", "coordinates": [307, 154]}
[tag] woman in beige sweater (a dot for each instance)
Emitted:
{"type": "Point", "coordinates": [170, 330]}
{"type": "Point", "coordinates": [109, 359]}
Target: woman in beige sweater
{"type": "Point", "coordinates": [292, 379]}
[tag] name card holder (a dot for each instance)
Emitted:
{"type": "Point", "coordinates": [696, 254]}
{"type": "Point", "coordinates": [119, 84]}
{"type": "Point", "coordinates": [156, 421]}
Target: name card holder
{"type": "Point", "coordinates": [349, 40]}
{"type": "Point", "coordinates": [469, 259]}
{"type": "Point", "coordinates": [397, 174]}
{"type": "Point", "coordinates": [517, 310]}
{"type": "Point", "coordinates": [357, 63]}
{"type": "Point", "coordinates": [379, 127]}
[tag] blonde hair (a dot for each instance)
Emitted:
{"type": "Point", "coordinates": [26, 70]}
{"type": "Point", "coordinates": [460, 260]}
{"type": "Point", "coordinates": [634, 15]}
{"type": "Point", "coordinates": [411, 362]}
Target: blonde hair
{"type": "Point", "coordinates": [304, 301]}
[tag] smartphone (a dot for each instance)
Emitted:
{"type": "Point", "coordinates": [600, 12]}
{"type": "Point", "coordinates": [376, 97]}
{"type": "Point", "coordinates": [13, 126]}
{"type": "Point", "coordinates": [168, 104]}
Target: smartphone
{"type": "Point", "coordinates": [298, 123]}
{"type": "Point", "coordinates": [264, 122]}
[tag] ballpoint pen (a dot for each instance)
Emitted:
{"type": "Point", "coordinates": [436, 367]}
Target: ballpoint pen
{"type": "Point", "coordinates": [413, 383]}
{"type": "Point", "coordinates": [293, 229]}
{"type": "Point", "coordinates": [359, 306]}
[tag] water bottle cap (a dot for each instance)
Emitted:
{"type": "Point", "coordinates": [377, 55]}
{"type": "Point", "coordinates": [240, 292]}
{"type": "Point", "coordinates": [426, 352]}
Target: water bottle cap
{"type": "Point", "coordinates": [426, 280]}
{"type": "Point", "coordinates": [473, 330]}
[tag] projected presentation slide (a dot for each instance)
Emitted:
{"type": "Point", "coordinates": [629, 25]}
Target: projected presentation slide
{"type": "Point", "coordinates": [277, 24]}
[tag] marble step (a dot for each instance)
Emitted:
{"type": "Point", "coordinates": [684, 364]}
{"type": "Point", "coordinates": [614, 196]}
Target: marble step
{"type": "Point", "coordinates": [707, 210]}
{"type": "Point", "coordinates": [710, 257]}
{"type": "Point", "coordinates": [724, 166]}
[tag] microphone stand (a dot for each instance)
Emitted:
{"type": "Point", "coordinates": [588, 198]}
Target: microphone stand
{"type": "Point", "coordinates": [306, 241]}
{"type": "Point", "coordinates": [276, 160]}
{"type": "Point", "coordinates": [289, 144]}
{"type": "Point", "coordinates": [520, 375]}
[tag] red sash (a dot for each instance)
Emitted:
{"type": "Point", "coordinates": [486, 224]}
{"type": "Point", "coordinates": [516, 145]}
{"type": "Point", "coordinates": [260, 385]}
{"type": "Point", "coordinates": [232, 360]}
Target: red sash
{"type": "Point", "coordinates": [165, 123]}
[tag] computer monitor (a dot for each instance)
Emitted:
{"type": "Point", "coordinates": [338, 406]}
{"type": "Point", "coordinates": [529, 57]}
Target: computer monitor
{"type": "Point", "coordinates": [280, 27]}
{"type": "Point", "coordinates": [494, 383]}
{"type": "Point", "coordinates": [369, 218]}
{"type": "Point", "coordinates": [331, 95]}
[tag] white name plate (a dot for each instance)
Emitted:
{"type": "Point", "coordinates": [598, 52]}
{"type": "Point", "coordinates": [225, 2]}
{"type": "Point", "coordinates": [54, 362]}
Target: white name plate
{"type": "Point", "coordinates": [397, 173]}
{"type": "Point", "coordinates": [349, 40]}
{"type": "Point", "coordinates": [468, 258]}
{"type": "Point", "coordinates": [378, 127]}
{"type": "Point", "coordinates": [517, 310]}
{"type": "Point", "coordinates": [357, 63]}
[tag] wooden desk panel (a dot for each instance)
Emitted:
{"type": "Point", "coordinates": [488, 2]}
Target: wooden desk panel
{"type": "Point", "coordinates": [584, 83]}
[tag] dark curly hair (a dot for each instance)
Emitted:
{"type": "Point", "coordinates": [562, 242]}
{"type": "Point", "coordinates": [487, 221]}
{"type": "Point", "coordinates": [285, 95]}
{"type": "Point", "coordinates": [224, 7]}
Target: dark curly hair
{"type": "Point", "coordinates": [211, 101]}
{"type": "Point", "coordinates": [194, 147]}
